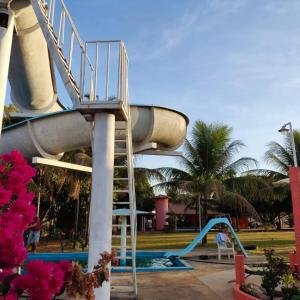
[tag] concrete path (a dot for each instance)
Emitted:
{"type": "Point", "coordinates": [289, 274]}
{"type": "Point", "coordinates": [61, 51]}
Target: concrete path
{"type": "Point", "coordinates": [220, 282]}
{"type": "Point", "coordinates": [206, 281]}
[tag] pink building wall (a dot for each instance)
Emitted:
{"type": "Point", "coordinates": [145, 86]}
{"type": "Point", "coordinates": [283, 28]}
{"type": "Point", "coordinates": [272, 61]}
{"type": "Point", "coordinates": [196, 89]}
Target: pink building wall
{"type": "Point", "coordinates": [161, 209]}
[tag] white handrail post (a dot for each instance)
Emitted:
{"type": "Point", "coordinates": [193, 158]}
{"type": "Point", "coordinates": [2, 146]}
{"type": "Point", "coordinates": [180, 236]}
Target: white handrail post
{"type": "Point", "coordinates": [96, 71]}
{"type": "Point", "coordinates": [71, 50]}
{"type": "Point", "coordinates": [107, 71]}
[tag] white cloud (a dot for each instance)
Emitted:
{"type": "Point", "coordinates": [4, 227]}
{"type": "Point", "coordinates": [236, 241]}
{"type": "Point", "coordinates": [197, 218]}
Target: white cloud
{"type": "Point", "coordinates": [156, 42]}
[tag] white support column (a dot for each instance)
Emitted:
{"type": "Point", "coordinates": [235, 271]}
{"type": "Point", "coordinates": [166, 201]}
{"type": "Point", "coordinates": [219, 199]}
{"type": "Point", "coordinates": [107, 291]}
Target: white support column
{"type": "Point", "coordinates": [123, 240]}
{"type": "Point", "coordinates": [6, 35]}
{"type": "Point", "coordinates": [102, 194]}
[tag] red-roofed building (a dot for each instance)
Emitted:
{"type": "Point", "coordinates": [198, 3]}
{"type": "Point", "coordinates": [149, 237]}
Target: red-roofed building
{"type": "Point", "coordinates": [186, 218]}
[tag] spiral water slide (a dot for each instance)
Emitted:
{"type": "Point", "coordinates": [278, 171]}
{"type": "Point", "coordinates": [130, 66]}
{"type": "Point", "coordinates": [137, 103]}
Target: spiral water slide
{"type": "Point", "coordinates": [154, 128]}
{"type": "Point", "coordinates": [54, 130]}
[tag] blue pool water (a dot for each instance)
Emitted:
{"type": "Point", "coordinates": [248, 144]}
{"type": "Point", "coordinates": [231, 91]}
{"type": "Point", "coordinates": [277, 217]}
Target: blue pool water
{"type": "Point", "coordinates": [147, 261]}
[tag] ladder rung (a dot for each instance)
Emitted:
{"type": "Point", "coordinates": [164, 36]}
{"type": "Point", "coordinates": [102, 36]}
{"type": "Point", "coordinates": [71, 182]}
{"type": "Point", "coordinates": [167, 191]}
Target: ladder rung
{"type": "Point", "coordinates": [124, 257]}
{"type": "Point", "coordinates": [116, 203]}
{"type": "Point", "coordinates": [119, 247]}
{"type": "Point", "coordinates": [122, 288]}
{"type": "Point", "coordinates": [120, 167]}
{"type": "Point", "coordinates": [120, 153]}
{"type": "Point", "coordinates": [121, 281]}
{"type": "Point", "coordinates": [120, 141]}
{"type": "Point", "coordinates": [126, 277]}
{"type": "Point", "coordinates": [120, 178]}
{"type": "Point", "coordinates": [119, 236]}
{"type": "Point", "coordinates": [120, 126]}
{"type": "Point", "coordinates": [121, 191]}
{"type": "Point", "coordinates": [120, 225]}
{"type": "Point", "coordinates": [120, 268]}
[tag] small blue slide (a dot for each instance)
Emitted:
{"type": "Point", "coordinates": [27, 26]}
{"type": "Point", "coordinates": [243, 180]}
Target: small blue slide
{"type": "Point", "coordinates": [202, 234]}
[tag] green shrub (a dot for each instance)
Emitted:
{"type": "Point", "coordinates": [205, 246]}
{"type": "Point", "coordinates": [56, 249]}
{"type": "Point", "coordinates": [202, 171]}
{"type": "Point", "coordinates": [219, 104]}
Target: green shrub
{"type": "Point", "coordinates": [273, 272]}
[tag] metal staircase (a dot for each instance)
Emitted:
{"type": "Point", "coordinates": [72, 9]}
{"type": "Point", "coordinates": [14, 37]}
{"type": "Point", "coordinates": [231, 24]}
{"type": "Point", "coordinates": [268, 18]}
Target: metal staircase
{"type": "Point", "coordinates": [91, 91]}
{"type": "Point", "coordinates": [64, 43]}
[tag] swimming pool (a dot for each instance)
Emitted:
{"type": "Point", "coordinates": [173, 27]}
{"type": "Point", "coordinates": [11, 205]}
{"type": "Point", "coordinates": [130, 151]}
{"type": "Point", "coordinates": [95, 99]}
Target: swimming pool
{"type": "Point", "coordinates": [146, 261]}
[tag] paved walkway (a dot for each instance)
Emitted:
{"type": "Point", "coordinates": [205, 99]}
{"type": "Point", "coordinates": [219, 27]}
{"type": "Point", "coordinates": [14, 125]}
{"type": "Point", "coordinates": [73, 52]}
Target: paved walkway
{"type": "Point", "coordinates": [210, 280]}
{"type": "Point", "coordinates": [206, 281]}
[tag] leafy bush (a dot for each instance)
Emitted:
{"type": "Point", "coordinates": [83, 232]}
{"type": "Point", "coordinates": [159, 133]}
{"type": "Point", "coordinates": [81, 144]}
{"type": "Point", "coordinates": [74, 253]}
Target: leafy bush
{"type": "Point", "coordinates": [171, 219]}
{"type": "Point", "coordinates": [272, 273]}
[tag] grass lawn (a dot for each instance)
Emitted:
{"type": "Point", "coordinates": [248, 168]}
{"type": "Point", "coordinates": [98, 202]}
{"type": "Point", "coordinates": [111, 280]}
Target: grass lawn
{"type": "Point", "coordinates": [281, 241]}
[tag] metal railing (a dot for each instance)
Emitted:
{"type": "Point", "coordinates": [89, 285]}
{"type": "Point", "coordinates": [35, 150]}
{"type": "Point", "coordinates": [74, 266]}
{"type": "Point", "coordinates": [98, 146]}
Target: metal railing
{"type": "Point", "coordinates": [101, 72]}
{"type": "Point", "coordinates": [67, 37]}
{"type": "Point", "coordinates": [108, 80]}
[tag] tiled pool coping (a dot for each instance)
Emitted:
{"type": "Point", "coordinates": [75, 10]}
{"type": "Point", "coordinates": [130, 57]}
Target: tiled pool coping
{"type": "Point", "coordinates": [80, 256]}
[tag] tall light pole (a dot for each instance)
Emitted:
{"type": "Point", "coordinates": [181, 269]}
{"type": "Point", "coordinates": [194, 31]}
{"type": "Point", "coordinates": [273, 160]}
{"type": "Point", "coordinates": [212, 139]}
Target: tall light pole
{"type": "Point", "coordinates": [287, 128]}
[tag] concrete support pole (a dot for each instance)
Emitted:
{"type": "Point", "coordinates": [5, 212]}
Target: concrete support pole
{"type": "Point", "coordinates": [6, 34]}
{"type": "Point", "coordinates": [123, 239]}
{"type": "Point", "coordinates": [294, 173]}
{"type": "Point", "coordinates": [100, 238]}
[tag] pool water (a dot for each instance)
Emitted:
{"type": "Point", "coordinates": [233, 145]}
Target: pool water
{"type": "Point", "coordinates": [153, 262]}
{"type": "Point", "coordinates": [146, 261]}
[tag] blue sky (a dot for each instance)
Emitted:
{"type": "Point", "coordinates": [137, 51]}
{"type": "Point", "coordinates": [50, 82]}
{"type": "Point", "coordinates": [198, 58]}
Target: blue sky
{"type": "Point", "coordinates": [231, 61]}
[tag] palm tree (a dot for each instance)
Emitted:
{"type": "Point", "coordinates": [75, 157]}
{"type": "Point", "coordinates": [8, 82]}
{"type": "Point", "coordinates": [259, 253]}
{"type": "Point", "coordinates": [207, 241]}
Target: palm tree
{"type": "Point", "coordinates": [207, 164]}
{"type": "Point", "coordinates": [280, 157]}
{"type": "Point", "coordinates": [8, 109]}
{"type": "Point", "coordinates": [77, 180]}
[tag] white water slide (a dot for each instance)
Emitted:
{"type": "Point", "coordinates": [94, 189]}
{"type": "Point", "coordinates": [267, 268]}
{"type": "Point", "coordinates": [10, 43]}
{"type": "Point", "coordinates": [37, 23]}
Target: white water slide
{"type": "Point", "coordinates": [33, 91]}
{"type": "Point", "coordinates": [52, 134]}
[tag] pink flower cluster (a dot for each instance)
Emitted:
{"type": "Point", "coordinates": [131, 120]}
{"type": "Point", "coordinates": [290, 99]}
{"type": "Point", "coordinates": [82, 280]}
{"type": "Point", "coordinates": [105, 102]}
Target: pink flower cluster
{"type": "Point", "coordinates": [16, 208]}
{"type": "Point", "coordinates": [42, 279]}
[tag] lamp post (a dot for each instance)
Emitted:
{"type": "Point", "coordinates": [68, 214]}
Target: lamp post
{"type": "Point", "coordinates": [287, 128]}
{"type": "Point", "coordinates": [294, 174]}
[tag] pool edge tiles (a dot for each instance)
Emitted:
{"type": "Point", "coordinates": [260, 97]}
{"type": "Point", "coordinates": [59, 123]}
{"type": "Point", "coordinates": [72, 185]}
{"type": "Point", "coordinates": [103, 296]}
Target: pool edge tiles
{"type": "Point", "coordinates": [180, 265]}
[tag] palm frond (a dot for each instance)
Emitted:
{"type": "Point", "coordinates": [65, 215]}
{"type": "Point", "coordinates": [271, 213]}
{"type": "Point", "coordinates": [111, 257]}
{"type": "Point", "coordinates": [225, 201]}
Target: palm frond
{"type": "Point", "coordinates": [150, 174]}
{"type": "Point", "coordinates": [279, 157]}
{"type": "Point", "coordinates": [238, 203]}
{"type": "Point", "coordinates": [266, 173]}
{"type": "Point", "coordinates": [241, 165]}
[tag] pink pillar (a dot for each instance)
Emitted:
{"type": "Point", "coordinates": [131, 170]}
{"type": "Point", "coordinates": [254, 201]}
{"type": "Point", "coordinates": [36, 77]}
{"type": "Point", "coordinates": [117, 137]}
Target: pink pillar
{"type": "Point", "coordinates": [239, 269]}
{"type": "Point", "coordinates": [292, 259]}
{"type": "Point", "coordinates": [161, 208]}
{"type": "Point", "coordinates": [294, 173]}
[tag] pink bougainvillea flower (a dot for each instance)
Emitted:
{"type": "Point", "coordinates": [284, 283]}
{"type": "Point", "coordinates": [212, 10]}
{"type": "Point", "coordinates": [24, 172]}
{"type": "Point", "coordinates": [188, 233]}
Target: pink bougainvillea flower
{"type": "Point", "coordinates": [66, 267]}
{"type": "Point", "coordinates": [5, 196]}
{"type": "Point", "coordinates": [42, 279]}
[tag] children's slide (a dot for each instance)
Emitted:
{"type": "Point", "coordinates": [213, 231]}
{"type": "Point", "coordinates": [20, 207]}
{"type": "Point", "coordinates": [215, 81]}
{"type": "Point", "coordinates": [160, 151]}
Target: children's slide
{"type": "Point", "coordinates": [203, 233]}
